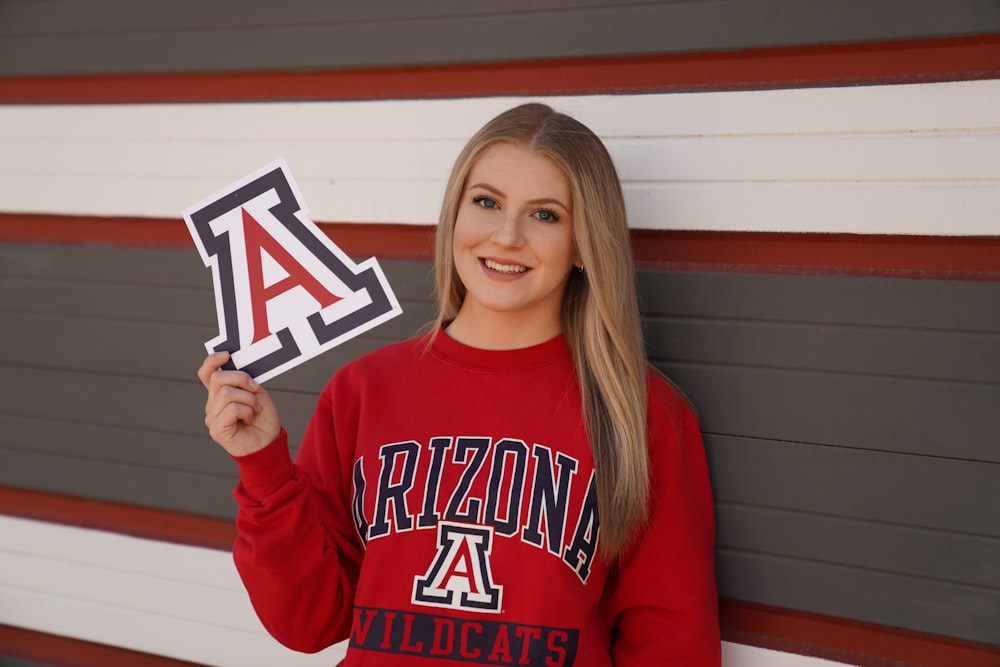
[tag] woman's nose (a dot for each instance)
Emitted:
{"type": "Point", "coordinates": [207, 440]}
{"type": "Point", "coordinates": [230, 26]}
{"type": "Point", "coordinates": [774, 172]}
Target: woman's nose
{"type": "Point", "coordinates": [509, 231]}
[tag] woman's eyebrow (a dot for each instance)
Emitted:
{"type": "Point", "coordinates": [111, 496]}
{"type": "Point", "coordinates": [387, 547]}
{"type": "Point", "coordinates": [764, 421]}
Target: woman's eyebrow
{"type": "Point", "coordinates": [487, 186]}
{"type": "Point", "coordinates": [548, 200]}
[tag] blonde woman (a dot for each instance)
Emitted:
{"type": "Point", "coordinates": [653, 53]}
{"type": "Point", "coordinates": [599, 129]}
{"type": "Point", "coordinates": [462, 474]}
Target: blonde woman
{"type": "Point", "coordinates": [517, 486]}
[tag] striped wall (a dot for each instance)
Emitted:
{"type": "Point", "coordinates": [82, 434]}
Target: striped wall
{"type": "Point", "coordinates": [180, 601]}
{"type": "Point", "coordinates": [883, 514]}
{"type": "Point", "coordinates": [138, 594]}
{"type": "Point", "coordinates": [896, 161]}
{"type": "Point", "coordinates": [820, 261]}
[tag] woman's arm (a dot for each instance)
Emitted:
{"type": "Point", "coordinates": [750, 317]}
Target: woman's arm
{"type": "Point", "coordinates": [297, 558]}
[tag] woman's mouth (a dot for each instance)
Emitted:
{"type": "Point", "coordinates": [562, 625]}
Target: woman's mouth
{"type": "Point", "coordinates": [501, 267]}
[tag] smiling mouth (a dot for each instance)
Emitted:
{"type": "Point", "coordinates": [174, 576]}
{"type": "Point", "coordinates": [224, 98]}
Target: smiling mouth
{"type": "Point", "coordinates": [504, 268]}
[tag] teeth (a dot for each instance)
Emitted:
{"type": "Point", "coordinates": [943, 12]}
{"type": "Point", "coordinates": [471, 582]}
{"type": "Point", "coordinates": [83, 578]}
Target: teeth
{"type": "Point", "coordinates": [504, 268]}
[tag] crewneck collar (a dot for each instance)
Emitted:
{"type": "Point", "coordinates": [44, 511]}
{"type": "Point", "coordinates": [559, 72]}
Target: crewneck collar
{"type": "Point", "coordinates": [553, 351]}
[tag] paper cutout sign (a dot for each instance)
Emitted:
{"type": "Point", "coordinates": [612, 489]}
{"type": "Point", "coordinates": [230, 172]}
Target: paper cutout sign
{"type": "Point", "coordinates": [284, 292]}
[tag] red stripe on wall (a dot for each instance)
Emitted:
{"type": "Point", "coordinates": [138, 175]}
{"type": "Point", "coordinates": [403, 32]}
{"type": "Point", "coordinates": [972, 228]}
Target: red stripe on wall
{"type": "Point", "coordinates": [388, 241]}
{"type": "Point", "coordinates": [65, 652]}
{"type": "Point", "coordinates": [937, 257]}
{"type": "Point", "coordinates": [742, 624]}
{"type": "Point", "coordinates": [129, 232]}
{"type": "Point", "coordinates": [154, 524]}
{"type": "Point", "coordinates": [852, 642]}
{"type": "Point", "coordinates": [907, 61]}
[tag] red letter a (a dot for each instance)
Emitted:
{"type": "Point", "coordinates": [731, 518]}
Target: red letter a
{"type": "Point", "coordinates": [258, 240]}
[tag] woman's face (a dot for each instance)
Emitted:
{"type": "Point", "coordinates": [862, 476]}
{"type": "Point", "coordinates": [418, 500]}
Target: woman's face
{"type": "Point", "coordinates": [513, 243]}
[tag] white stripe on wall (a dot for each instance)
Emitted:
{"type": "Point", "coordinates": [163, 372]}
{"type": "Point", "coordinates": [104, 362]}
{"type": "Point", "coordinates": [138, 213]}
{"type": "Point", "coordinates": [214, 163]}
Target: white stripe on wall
{"type": "Point", "coordinates": [172, 600]}
{"type": "Point", "coordinates": [167, 599]}
{"type": "Point", "coordinates": [909, 159]}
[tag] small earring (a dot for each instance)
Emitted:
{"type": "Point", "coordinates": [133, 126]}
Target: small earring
{"type": "Point", "coordinates": [580, 268]}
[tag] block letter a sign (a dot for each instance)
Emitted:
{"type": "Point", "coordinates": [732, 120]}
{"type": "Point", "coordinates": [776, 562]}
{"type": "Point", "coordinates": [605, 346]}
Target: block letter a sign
{"type": "Point", "coordinates": [284, 292]}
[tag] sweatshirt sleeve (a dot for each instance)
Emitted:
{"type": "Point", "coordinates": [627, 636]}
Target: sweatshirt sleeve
{"type": "Point", "coordinates": [295, 550]}
{"type": "Point", "coordinates": [662, 596]}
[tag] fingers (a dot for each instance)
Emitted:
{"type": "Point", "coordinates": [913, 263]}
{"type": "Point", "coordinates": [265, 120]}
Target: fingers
{"type": "Point", "coordinates": [231, 394]}
{"type": "Point", "coordinates": [212, 363]}
{"type": "Point", "coordinates": [239, 413]}
{"type": "Point", "coordinates": [232, 387]}
{"type": "Point", "coordinates": [226, 426]}
{"type": "Point", "coordinates": [221, 396]}
{"type": "Point", "coordinates": [215, 379]}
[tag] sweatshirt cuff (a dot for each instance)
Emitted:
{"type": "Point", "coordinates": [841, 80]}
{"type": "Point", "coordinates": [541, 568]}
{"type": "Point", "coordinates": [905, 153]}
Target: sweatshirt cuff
{"type": "Point", "coordinates": [266, 470]}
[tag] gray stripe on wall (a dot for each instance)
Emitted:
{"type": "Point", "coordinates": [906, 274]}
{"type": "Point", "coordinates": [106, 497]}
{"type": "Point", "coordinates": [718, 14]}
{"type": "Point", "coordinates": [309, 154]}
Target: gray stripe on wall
{"type": "Point", "coordinates": [110, 37]}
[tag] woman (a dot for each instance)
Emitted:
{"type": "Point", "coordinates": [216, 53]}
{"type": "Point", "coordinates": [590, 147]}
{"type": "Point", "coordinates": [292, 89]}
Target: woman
{"type": "Point", "coordinates": [515, 487]}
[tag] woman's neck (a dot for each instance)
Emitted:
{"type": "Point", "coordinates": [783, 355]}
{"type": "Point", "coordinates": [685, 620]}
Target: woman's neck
{"type": "Point", "coordinates": [499, 331]}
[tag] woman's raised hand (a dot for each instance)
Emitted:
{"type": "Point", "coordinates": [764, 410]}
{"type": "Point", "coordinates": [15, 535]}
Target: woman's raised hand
{"type": "Point", "coordinates": [239, 413]}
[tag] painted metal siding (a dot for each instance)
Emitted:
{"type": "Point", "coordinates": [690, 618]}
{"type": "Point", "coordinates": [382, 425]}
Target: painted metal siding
{"type": "Point", "coordinates": [111, 36]}
{"type": "Point", "coordinates": [166, 599]}
{"type": "Point", "coordinates": [851, 427]}
{"type": "Point", "coordinates": [137, 594]}
{"type": "Point", "coordinates": [908, 159]}
{"type": "Point", "coordinates": [99, 348]}
{"type": "Point", "coordinates": [850, 422]}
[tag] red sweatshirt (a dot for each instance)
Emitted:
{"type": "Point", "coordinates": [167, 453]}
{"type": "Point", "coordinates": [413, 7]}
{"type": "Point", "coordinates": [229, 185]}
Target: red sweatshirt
{"type": "Point", "coordinates": [442, 511]}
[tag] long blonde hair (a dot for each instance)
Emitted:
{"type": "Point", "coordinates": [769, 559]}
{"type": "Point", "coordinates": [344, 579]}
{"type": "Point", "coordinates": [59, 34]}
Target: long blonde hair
{"type": "Point", "coordinates": [600, 314]}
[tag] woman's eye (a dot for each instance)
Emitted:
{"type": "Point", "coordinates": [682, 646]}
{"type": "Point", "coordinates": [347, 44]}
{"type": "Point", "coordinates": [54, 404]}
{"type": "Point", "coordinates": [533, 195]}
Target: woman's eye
{"type": "Point", "coordinates": [546, 215]}
{"type": "Point", "coordinates": [484, 202]}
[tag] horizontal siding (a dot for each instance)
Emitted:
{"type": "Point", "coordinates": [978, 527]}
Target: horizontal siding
{"type": "Point", "coordinates": [907, 159]}
{"type": "Point", "coordinates": [873, 303]}
{"type": "Point", "coordinates": [86, 347]}
{"type": "Point", "coordinates": [917, 604]}
{"type": "Point", "coordinates": [182, 602]}
{"type": "Point", "coordinates": [960, 356]}
{"type": "Point", "coordinates": [103, 36]}
{"type": "Point", "coordinates": [97, 469]}
{"type": "Point", "coordinates": [178, 601]}
{"type": "Point", "coordinates": [930, 419]}
{"type": "Point", "coordinates": [850, 422]}
{"type": "Point", "coordinates": [850, 425]}
{"type": "Point", "coordinates": [877, 545]}
{"type": "Point", "coordinates": [896, 365]}
{"type": "Point", "coordinates": [944, 494]}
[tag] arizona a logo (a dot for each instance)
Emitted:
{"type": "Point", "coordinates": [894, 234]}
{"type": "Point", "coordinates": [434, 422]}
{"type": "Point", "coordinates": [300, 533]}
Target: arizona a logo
{"type": "Point", "coordinates": [460, 575]}
{"type": "Point", "coordinates": [284, 292]}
